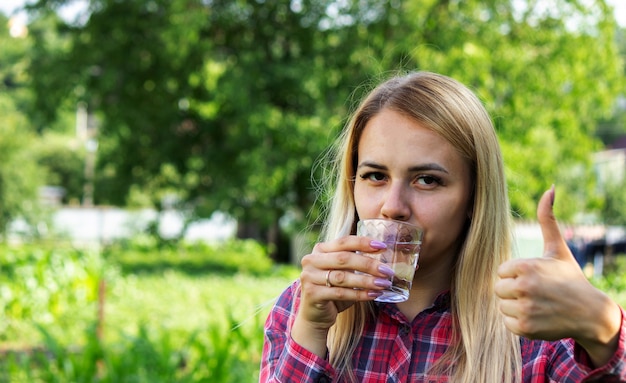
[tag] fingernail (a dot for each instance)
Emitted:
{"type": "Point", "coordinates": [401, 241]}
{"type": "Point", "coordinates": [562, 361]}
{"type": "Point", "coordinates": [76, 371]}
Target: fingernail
{"type": "Point", "coordinates": [386, 270]}
{"type": "Point", "coordinates": [378, 245]}
{"type": "Point", "coordinates": [374, 294]}
{"type": "Point", "coordinates": [553, 196]}
{"type": "Point", "coordinates": [386, 283]}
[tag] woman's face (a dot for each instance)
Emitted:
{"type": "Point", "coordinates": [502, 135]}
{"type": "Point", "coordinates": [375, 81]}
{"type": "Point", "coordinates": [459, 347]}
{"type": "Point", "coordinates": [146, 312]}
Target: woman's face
{"type": "Point", "coordinates": [410, 173]}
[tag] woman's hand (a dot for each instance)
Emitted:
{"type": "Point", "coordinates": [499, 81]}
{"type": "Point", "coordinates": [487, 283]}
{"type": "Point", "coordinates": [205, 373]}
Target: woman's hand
{"type": "Point", "coordinates": [330, 285]}
{"type": "Point", "coordinates": [550, 298]}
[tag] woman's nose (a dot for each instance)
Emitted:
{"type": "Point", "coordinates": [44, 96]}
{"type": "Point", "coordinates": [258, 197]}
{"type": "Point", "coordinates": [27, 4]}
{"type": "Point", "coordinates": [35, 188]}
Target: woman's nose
{"type": "Point", "coordinates": [396, 206]}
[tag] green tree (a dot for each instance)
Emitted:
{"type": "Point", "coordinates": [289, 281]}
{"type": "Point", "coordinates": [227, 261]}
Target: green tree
{"type": "Point", "coordinates": [611, 131]}
{"type": "Point", "coordinates": [213, 105]}
{"type": "Point", "coordinates": [227, 105]}
{"type": "Point", "coordinates": [20, 175]}
{"type": "Point", "coordinates": [63, 158]}
{"type": "Point", "coordinates": [614, 208]}
{"type": "Point", "coordinates": [614, 127]}
{"type": "Point", "coordinates": [546, 75]}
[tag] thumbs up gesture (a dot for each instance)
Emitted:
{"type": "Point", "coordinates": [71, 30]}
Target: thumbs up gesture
{"type": "Point", "coordinates": [550, 298]}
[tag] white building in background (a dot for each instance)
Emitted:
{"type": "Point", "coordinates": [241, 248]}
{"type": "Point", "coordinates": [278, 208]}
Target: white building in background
{"type": "Point", "coordinates": [98, 225]}
{"type": "Point", "coordinates": [101, 224]}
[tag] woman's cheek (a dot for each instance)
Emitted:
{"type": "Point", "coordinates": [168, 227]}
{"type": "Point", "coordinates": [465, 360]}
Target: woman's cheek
{"type": "Point", "coordinates": [366, 202]}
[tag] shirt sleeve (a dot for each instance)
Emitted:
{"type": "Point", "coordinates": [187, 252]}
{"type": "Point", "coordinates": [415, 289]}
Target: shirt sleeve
{"type": "Point", "coordinates": [565, 361]}
{"type": "Point", "coordinates": [283, 360]}
{"type": "Point", "coordinates": [615, 369]}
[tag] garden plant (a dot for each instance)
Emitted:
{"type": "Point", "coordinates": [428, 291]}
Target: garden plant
{"type": "Point", "coordinates": [136, 312]}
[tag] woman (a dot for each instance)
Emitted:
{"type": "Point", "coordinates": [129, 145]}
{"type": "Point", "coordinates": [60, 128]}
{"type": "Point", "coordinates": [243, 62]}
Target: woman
{"type": "Point", "coordinates": [422, 149]}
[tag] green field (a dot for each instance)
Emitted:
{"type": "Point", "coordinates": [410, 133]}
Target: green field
{"type": "Point", "coordinates": [181, 314]}
{"type": "Point", "coordinates": [168, 315]}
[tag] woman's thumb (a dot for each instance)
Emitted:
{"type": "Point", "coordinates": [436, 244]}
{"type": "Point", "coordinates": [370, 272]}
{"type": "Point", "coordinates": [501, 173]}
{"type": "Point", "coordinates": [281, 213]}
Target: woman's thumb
{"type": "Point", "coordinates": [554, 245]}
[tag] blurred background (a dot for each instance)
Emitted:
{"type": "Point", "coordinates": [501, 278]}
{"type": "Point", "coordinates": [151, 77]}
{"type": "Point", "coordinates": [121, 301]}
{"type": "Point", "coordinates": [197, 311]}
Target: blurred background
{"type": "Point", "coordinates": [161, 170]}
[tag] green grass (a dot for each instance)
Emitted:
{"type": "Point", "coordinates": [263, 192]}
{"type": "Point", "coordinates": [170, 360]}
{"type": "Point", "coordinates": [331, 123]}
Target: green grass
{"type": "Point", "coordinates": [178, 302]}
{"type": "Point", "coordinates": [170, 314]}
{"type": "Point", "coordinates": [216, 321]}
{"type": "Point", "coordinates": [614, 280]}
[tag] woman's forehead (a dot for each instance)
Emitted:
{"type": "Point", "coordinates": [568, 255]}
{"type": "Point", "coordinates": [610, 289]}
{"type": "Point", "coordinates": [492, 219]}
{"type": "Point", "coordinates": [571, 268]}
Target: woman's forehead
{"type": "Point", "coordinates": [396, 139]}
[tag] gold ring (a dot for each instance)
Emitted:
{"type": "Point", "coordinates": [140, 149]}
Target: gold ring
{"type": "Point", "coordinates": [328, 284]}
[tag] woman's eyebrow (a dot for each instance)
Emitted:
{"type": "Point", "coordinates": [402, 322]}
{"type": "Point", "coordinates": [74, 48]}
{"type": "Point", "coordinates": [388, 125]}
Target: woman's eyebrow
{"type": "Point", "coordinates": [428, 166]}
{"type": "Point", "coordinates": [417, 168]}
{"type": "Point", "coordinates": [368, 164]}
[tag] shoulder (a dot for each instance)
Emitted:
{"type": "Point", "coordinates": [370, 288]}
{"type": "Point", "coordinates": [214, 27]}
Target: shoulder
{"type": "Point", "coordinates": [290, 297]}
{"type": "Point", "coordinates": [284, 308]}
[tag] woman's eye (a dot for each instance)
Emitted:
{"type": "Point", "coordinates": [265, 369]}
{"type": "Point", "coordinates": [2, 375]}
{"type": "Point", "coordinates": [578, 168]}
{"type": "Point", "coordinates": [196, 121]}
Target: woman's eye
{"type": "Point", "coordinates": [373, 176]}
{"type": "Point", "coordinates": [428, 180]}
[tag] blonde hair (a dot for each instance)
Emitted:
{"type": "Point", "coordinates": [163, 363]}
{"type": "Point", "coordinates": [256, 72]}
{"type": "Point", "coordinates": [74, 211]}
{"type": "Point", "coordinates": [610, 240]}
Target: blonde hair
{"type": "Point", "coordinates": [482, 349]}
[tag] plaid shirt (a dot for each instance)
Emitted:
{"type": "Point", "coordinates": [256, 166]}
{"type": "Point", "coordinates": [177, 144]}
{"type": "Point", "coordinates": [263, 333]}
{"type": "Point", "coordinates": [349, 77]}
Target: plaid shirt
{"type": "Point", "coordinates": [395, 350]}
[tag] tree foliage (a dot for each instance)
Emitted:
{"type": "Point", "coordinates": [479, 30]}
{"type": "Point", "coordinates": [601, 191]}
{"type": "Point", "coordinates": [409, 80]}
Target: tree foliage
{"type": "Point", "coordinates": [20, 175]}
{"type": "Point", "coordinates": [614, 208]}
{"type": "Point", "coordinates": [226, 105]}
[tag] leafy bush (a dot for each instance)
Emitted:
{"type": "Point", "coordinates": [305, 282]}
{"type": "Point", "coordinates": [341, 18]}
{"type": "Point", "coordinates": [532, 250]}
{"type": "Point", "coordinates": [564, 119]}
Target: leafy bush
{"type": "Point", "coordinates": [613, 281]}
{"type": "Point", "coordinates": [188, 314]}
{"type": "Point", "coordinates": [20, 175]}
{"type": "Point", "coordinates": [64, 162]}
{"type": "Point", "coordinates": [43, 284]}
{"type": "Point", "coordinates": [221, 354]}
{"type": "Point", "coordinates": [230, 257]}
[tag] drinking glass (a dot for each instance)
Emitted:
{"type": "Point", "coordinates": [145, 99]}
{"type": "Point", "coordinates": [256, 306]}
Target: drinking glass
{"type": "Point", "coordinates": [403, 242]}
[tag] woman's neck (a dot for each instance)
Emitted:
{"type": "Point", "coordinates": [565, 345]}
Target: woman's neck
{"type": "Point", "coordinates": [428, 283]}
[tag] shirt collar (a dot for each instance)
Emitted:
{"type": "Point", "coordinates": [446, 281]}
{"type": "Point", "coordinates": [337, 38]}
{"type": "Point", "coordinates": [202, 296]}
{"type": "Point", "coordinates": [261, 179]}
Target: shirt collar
{"type": "Point", "coordinates": [441, 304]}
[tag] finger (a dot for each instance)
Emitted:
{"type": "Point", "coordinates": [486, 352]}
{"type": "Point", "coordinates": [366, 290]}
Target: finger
{"type": "Point", "coordinates": [321, 301]}
{"type": "Point", "coordinates": [512, 324]}
{"type": "Point", "coordinates": [514, 318]}
{"type": "Point", "coordinates": [506, 288]}
{"type": "Point", "coordinates": [345, 296]}
{"type": "Point", "coordinates": [346, 262]}
{"type": "Point", "coordinates": [554, 246]}
{"type": "Point", "coordinates": [342, 278]}
{"type": "Point", "coordinates": [350, 243]}
{"type": "Point", "coordinates": [510, 269]}
{"type": "Point", "coordinates": [341, 255]}
{"type": "Point", "coordinates": [509, 308]}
